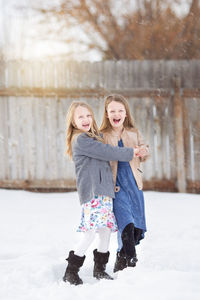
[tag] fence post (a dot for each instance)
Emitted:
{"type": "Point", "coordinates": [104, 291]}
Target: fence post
{"type": "Point", "coordinates": [2, 74]}
{"type": "Point", "coordinates": [179, 136]}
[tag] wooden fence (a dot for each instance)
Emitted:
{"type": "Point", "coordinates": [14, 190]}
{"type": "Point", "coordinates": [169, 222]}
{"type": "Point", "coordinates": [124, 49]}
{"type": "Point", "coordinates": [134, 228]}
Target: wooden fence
{"type": "Point", "coordinates": [164, 98]}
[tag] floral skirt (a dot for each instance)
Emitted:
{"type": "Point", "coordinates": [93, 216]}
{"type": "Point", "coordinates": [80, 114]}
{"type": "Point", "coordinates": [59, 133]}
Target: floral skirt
{"type": "Point", "coordinates": [97, 213]}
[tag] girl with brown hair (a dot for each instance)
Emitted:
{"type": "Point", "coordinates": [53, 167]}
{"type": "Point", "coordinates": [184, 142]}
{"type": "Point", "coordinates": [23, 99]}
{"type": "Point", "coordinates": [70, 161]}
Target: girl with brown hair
{"type": "Point", "coordinates": [118, 129]}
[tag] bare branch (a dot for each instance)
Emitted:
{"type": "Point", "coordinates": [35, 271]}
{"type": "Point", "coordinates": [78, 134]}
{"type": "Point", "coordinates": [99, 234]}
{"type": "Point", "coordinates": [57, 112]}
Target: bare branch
{"type": "Point", "coordinates": [151, 31]}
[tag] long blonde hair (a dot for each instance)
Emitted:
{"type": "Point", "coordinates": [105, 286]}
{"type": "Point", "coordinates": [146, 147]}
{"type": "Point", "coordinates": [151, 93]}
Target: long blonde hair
{"type": "Point", "coordinates": [72, 131]}
{"type": "Point", "coordinates": [128, 122]}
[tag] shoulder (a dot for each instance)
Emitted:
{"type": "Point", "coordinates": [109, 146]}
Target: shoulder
{"type": "Point", "coordinates": [109, 138]}
{"type": "Point", "coordinates": [131, 135]}
{"type": "Point", "coordinates": [79, 138]}
{"type": "Point", "coordinates": [105, 134]}
{"type": "Point", "coordinates": [83, 140]}
{"type": "Point", "coordinates": [131, 130]}
{"type": "Point", "coordinates": [81, 144]}
{"type": "Point", "coordinates": [138, 135]}
{"type": "Point", "coordinates": [108, 133]}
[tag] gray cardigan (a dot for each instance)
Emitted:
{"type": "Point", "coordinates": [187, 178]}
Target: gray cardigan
{"type": "Point", "coordinates": [92, 167]}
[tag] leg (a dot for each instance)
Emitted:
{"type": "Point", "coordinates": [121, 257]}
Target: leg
{"type": "Point", "coordinates": [126, 257]}
{"type": "Point", "coordinates": [85, 242]}
{"type": "Point", "coordinates": [119, 240]}
{"type": "Point", "coordinates": [120, 262]}
{"type": "Point", "coordinates": [104, 239]}
{"type": "Point", "coordinates": [128, 240]}
{"type": "Point", "coordinates": [101, 255]}
{"type": "Point", "coordinates": [137, 235]}
{"type": "Point", "coordinates": [76, 259]}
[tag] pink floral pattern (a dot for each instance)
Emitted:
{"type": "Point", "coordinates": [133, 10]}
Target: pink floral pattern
{"type": "Point", "coordinates": [97, 213]}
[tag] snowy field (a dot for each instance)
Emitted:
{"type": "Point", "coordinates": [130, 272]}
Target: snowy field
{"type": "Point", "coordinates": [37, 231]}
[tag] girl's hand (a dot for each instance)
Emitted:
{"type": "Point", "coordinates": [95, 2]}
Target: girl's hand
{"type": "Point", "coordinates": [141, 151]}
{"type": "Point", "coordinates": [136, 151]}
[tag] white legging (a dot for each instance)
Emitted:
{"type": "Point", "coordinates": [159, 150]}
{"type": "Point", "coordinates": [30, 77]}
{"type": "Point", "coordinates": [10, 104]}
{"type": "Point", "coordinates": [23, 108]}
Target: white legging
{"type": "Point", "coordinates": [88, 237]}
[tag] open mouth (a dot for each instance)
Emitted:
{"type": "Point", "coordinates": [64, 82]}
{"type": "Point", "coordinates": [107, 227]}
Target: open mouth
{"type": "Point", "coordinates": [86, 125]}
{"type": "Point", "coordinates": [116, 121]}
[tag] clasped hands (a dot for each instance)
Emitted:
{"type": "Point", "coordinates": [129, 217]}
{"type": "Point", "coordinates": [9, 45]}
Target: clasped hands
{"type": "Point", "coordinates": [141, 151]}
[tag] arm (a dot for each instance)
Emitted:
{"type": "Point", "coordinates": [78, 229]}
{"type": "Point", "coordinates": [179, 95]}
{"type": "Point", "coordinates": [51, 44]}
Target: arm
{"type": "Point", "coordinates": [85, 145]}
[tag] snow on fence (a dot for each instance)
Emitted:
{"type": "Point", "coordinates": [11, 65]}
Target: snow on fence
{"type": "Point", "coordinates": [34, 97]}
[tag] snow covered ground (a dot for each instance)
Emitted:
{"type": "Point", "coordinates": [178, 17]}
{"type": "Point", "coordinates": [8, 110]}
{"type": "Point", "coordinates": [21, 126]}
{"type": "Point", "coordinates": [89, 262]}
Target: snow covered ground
{"type": "Point", "coordinates": [37, 231]}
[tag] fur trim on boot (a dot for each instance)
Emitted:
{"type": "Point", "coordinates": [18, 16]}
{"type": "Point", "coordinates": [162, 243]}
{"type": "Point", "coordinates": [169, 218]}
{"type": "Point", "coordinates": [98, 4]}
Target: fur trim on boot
{"type": "Point", "coordinates": [100, 261]}
{"type": "Point", "coordinates": [74, 264]}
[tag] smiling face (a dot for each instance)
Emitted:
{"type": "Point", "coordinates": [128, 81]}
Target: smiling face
{"type": "Point", "coordinates": [116, 113]}
{"type": "Point", "coordinates": [83, 118]}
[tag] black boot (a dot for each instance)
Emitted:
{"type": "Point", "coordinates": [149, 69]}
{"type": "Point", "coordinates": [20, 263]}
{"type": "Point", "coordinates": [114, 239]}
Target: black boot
{"type": "Point", "coordinates": [74, 264]}
{"type": "Point", "coordinates": [120, 263]}
{"type": "Point", "coordinates": [100, 261]}
{"type": "Point", "coordinates": [130, 237]}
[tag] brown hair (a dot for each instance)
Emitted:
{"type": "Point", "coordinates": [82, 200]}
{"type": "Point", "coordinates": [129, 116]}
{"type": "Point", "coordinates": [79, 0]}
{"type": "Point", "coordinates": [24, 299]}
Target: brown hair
{"type": "Point", "coordinates": [128, 122]}
{"type": "Point", "coordinates": [72, 131]}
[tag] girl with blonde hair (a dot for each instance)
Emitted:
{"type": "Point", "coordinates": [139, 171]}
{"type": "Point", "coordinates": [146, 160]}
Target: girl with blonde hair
{"type": "Point", "coordinates": [118, 128]}
{"type": "Point", "coordinates": [95, 188]}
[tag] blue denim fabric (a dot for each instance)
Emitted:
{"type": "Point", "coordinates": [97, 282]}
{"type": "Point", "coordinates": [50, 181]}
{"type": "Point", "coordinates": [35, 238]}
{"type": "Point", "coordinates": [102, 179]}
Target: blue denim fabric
{"type": "Point", "coordinates": [128, 204]}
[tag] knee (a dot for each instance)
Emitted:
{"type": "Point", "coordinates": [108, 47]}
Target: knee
{"type": "Point", "coordinates": [128, 231]}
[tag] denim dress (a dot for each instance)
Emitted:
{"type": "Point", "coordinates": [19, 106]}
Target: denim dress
{"type": "Point", "coordinates": [128, 204]}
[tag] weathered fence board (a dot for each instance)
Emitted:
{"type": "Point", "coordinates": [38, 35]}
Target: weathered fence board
{"type": "Point", "coordinates": [192, 140]}
{"type": "Point", "coordinates": [35, 96]}
{"type": "Point", "coordinates": [108, 75]}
